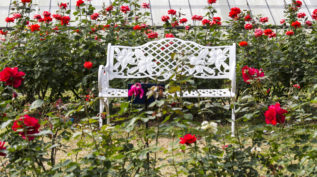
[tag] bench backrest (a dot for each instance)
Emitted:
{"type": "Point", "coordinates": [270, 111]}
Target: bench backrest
{"type": "Point", "coordinates": [154, 60]}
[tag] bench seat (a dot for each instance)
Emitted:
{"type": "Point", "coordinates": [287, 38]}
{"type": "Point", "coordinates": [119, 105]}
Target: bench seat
{"type": "Point", "coordinates": [202, 93]}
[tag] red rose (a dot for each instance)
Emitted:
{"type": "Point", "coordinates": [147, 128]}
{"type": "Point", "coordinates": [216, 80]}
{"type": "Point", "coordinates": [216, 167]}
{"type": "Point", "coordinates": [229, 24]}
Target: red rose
{"type": "Point", "coordinates": [211, 23]}
{"type": "Point", "coordinates": [205, 21]}
{"type": "Point", "coordinates": [249, 73]}
{"type": "Point", "coordinates": [267, 32]}
{"type": "Point", "coordinates": [165, 18]}
{"type": "Point", "coordinates": [46, 14]}
{"type": "Point", "coordinates": [137, 27]}
{"type": "Point", "coordinates": [187, 27]}
{"type": "Point", "coordinates": [218, 23]}
{"type": "Point", "coordinates": [171, 12]}
{"type": "Point", "coordinates": [25, 1]}
{"type": "Point", "coordinates": [308, 23]}
{"type": "Point", "coordinates": [88, 64]}
{"type": "Point", "coordinates": [47, 19]}
{"type": "Point", "coordinates": [93, 30]}
{"type": "Point", "coordinates": [183, 20]}
{"type": "Point", "coordinates": [247, 18]}
{"type": "Point", "coordinates": [65, 20]}
{"type": "Point", "coordinates": [175, 23]}
{"type": "Point", "coordinates": [107, 26]}
{"type": "Point", "coordinates": [136, 90]}
{"type": "Point", "coordinates": [146, 5]}
{"type": "Point", "coordinates": [296, 86]}
{"type": "Point", "coordinates": [152, 35]}
{"type": "Point", "coordinates": [301, 15]}
{"type": "Point", "coordinates": [217, 19]}
{"type": "Point", "coordinates": [234, 12]}
{"type": "Point", "coordinates": [169, 35]}
{"type": "Point", "coordinates": [296, 24]}
{"type": "Point", "coordinates": [3, 32]}
{"type": "Point", "coordinates": [63, 6]}
{"type": "Point", "coordinates": [16, 16]}
{"type": "Point", "coordinates": [94, 16]}
{"type": "Point", "coordinates": [12, 76]}
{"type": "Point", "coordinates": [282, 21]}
{"type": "Point", "coordinates": [314, 15]}
{"type": "Point", "coordinates": [37, 16]}
{"type": "Point", "coordinates": [9, 19]}
{"type": "Point", "coordinates": [272, 35]}
{"type": "Point", "coordinates": [27, 127]}
{"type": "Point", "coordinates": [275, 114]}
{"type": "Point", "coordinates": [188, 139]}
{"type": "Point", "coordinates": [248, 26]}
{"type": "Point", "coordinates": [243, 43]}
{"type": "Point", "coordinates": [289, 33]}
{"type": "Point", "coordinates": [2, 148]}
{"type": "Point", "coordinates": [57, 16]}
{"type": "Point", "coordinates": [87, 98]}
{"type": "Point", "coordinates": [174, 104]}
{"type": "Point", "coordinates": [298, 3]}
{"type": "Point", "coordinates": [197, 17]}
{"type": "Point", "coordinates": [34, 27]}
{"type": "Point", "coordinates": [55, 28]}
{"type": "Point", "coordinates": [211, 1]}
{"type": "Point", "coordinates": [125, 9]}
{"type": "Point", "coordinates": [79, 2]}
{"type": "Point", "coordinates": [109, 8]}
{"type": "Point", "coordinates": [264, 19]}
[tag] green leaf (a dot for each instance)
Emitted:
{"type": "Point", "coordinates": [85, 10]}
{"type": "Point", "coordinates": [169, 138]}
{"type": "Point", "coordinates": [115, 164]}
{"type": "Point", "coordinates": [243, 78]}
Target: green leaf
{"type": "Point", "coordinates": [75, 135]}
{"type": "Point", "coordinates": [5, 124]}
{"type": "Point", "coordinates": [188, 116]}
{"type": "Point", "coordinates": [44, 132]}
{"type": "Point", "coordinates": [36, 104]}
{"type": "Point", "coordinates": [174, 89]}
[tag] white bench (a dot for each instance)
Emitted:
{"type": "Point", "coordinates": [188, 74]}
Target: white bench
{"type": "Point", "coordinates": [153, 60]}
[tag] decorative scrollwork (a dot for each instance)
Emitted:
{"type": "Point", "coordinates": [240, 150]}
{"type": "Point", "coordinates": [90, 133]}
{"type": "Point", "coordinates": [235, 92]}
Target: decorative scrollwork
{"type": "Point", "coordinates": [154, 60]}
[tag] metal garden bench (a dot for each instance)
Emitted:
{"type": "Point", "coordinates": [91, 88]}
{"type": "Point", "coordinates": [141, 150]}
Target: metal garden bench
{"type": "Point", "coordinates": [153, 60]}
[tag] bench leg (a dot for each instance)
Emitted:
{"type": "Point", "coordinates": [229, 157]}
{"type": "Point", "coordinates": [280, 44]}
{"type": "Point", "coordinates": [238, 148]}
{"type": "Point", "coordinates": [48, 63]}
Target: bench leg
{"type": "Point", "coordinates": [101, 108]}
{"type": "Point", "coordinates": [107, 110]}
{"type": "Point", "coordinates": [233, 117]}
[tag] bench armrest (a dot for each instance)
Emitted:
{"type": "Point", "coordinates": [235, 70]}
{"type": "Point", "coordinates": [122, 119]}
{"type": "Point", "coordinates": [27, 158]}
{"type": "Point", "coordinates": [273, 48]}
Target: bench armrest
{"type": "Point", "coordinates": [103, 81]}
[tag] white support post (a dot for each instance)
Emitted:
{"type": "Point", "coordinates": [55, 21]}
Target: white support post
{"type": "Point", "coordinates": [107, 110]}
{"type": "Point", "coordinates": [101, 108]}
{"type": "Point", "coordinates": [233, 118]}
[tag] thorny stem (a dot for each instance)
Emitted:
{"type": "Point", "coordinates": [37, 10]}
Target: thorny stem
{"type": "Point", "coordinates": [174, 165]}
{"type": "Point", "coordinates": [53, 151]}
{"type": "Point", "coordinates": [156, 140]}
{"type": "Point", "coordinates": [90, 126]}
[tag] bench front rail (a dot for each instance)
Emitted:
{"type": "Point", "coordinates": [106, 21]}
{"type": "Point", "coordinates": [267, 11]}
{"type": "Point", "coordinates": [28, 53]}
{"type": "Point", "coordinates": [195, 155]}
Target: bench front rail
{"type": "Point", "coordinates": [160, 59]}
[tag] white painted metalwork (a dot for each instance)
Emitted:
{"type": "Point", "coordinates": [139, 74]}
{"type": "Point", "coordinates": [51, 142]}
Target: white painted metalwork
{"type": "Point", "coordinates": [159, 60]}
